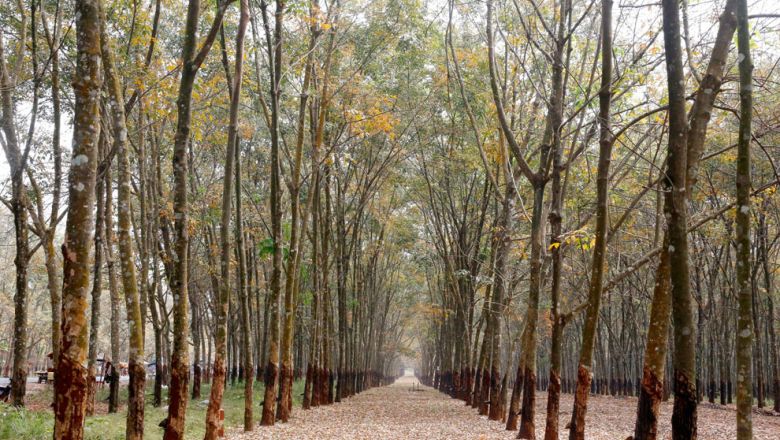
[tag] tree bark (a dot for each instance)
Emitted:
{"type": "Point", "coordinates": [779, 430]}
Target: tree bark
{"type": "Point", "coordinates": [598, 264]}
{"type": "Point", "coordinates": [651, 391]}
{"type": "Point", "coordinates": [297, 222]}
{"type": "Point", "coordinates": [135, 406]}
{"type": "Point", "coordinates": [275, 65]}
{"type": "Point", "coordinates": [244, 297]}
{"type": "Point", "coordinates": [97, 289]}
{"type": "Point", "coordinates": [113, 288]}
{"type": "Point", "coordinates": [16, 159]}
{"type": "Point", "coordinates": [684, 361]}
{"type": "Point", "coordinates": [191, 62]}
{"type": "Point", "coordinates": [71, 374]}
{"type": "Point", "coordinates": [213, 422]}
{"type": "Point", "coordinates": [744, 291]}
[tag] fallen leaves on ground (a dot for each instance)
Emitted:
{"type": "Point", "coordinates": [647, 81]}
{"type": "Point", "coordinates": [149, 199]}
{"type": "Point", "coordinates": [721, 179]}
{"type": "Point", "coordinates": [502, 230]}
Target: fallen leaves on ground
{"type": "Point", "coordinates": [396, 412]}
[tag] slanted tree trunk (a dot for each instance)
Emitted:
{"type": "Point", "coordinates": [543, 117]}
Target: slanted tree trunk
{"type": "Point", "coordinates": [71, 374]}
{"type": "Point", "coordinates": [652, 387]}
{"type": "Point", "coordinates": [192, 59]}
{"type": "Point", "coordinates": [598, 264]}
{"type": "Point", "coordinates": [213, 422]}
{"type": "Point", "coordinates": [135, 405]}
{"type": "Point", "coordinates": [16, 160]}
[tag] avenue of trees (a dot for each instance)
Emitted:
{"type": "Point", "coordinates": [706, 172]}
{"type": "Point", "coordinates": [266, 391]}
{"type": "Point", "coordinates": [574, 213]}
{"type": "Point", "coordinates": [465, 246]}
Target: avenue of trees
{"type": "Point", "coordinates": [513, 196]}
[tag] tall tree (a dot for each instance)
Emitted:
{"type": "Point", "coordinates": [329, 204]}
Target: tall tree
{"type": "Point", "coordinates": [17, 156]}
{"type": "Point", "coordinates": [71, 383]}
{"type": "Point", "coordinates": [274, 44]}
{"type": "Point", "coordinates": [192, 59]}
{"type": "Point", "coordinates": [676, 211]}
{"type": "Point", "coordinates": [598, 264]}
{"type": "Point", "coordinates": [744, 290]}
{"type": "Point", "coordinates": [525, 380]}
{"type": "Point", "coordinates": [298, 221]}
{"type": "Point", "coordinates": [651, 391]}
{"type": "Point", "coordinates": [135, 407]}
{"type": "Point", "coordinates": [213, 421]}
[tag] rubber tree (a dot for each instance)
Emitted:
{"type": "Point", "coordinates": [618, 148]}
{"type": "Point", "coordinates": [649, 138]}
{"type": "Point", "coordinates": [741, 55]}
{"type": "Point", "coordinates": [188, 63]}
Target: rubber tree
{"type": "Point", "coordinates": [651, 392]}
{"type": "Point", "coordinates": [274, 47]}
{"type": "Point", "coordinates": [71, 385]}
{"type": "Point", "coordinates": [598, 263]}
{"type": "Point", "coordinates": [97, 284]}
{"type": "Point", "coordinates": [213, 422]}
{"type": "Point", "coordinates": [298, 221]}
{"type": "Point", "coordinates": [135, 407]}
{"type": "Point", "coordinates": [16, 155]}
{"type": "Point", "coordinates": [192, 59]}
{"type": "Point", "coordinates": [676, 212]}
{"type": "Point", "coordinates": [744, 291]}
{"type": "Point", "coordinates": [525, 380]}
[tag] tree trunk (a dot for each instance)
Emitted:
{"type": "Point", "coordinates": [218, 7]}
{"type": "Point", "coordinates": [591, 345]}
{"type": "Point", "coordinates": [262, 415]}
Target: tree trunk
{"type": "Point", "coordinates": [244, 295]}
{"type": "Point", "coordinates": [52, 262]}
{"type": "Point", "coordinates": [651, 392]}
{"type": "Point", "coordinates": [275, 64]}
{"type": "Point", "coordinates": [745, 333]}
{"type": "Point", "coordinates": [191, 62]}
{"type": "Point", "coordinates": [296, 222]}
{"type": "Point", "coordinates": [97, 289]}
{"type": "Point", "coordinates": [213, 422]}
{"type": "Point", "coordinates": [16, 160]}
{"type": "Point", "coordinates": [135, 406]}
{"type": "Point", "coordinates": [501, 278]}
{"type": "Point", "coordinates": [589, 332]}
{"type": "Point", "coordinates": [770, 322]}
{"type": "Point", "coordinates": [71, 374]}
{"type": "Point", "coordinates": [113, 398]}
{"type": "Point", "coordinates": [684, 361]}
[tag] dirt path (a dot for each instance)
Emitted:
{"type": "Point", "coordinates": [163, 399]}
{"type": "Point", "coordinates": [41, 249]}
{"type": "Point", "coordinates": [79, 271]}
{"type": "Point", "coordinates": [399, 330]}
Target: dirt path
{"type": "Point", "coordinates": [395, 412]}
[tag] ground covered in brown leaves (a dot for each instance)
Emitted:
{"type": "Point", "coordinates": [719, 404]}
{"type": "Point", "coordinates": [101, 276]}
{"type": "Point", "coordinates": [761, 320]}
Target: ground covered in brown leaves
{"type": "Point", "coordinates": [396, 412]}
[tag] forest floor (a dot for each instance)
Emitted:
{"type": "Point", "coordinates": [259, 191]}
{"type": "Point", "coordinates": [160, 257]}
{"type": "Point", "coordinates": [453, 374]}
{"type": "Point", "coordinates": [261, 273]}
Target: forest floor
{"type": "Point", "coordinates": [396, 412]}
{"type": "Point", "coordinates": [36, 422]}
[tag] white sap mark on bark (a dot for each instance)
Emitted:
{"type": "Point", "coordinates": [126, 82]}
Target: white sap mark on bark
{"type": "Point", "coordinates": [79, 187]}
{"type": "Point", "coordinates": [79, 160]}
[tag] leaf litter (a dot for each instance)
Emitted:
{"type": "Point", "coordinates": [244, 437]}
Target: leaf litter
{"type": "Point", "coordinates": [398, 412]}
